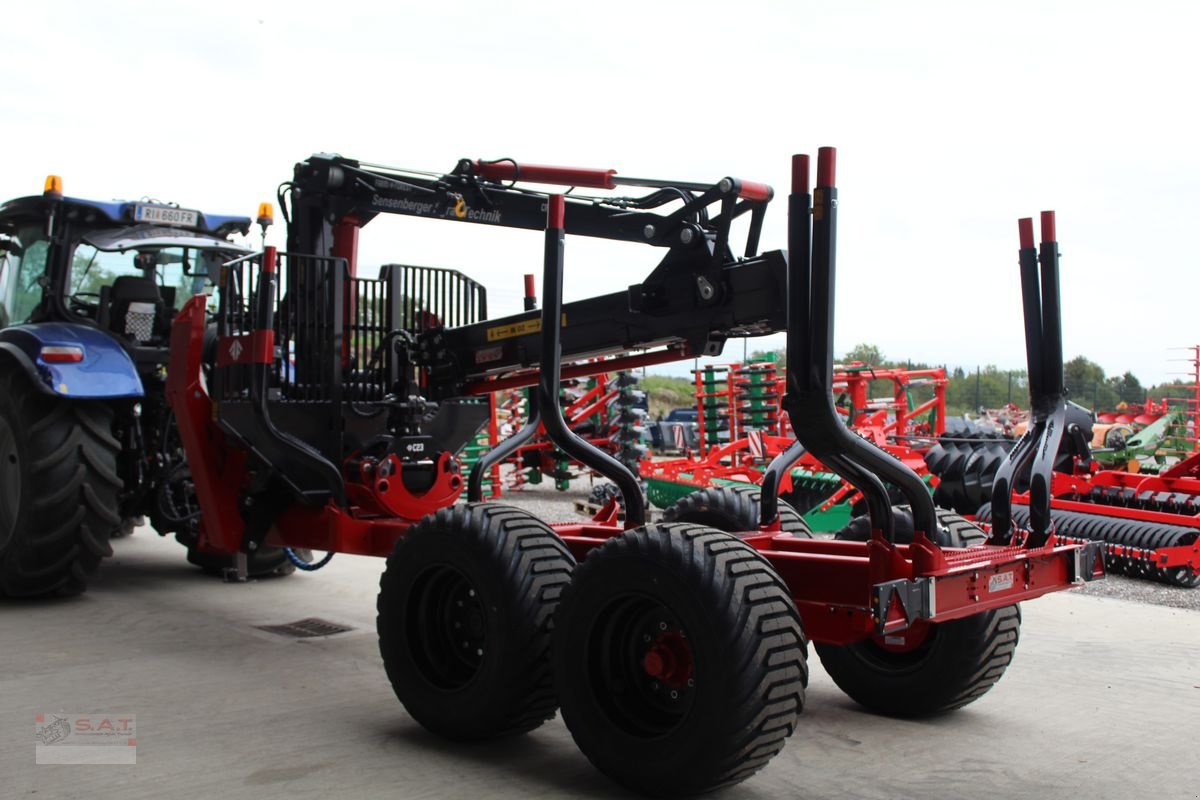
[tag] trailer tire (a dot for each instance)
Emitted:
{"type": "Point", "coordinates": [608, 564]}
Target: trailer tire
{"type": "Point", "coordinates": [679, 659]}
{"type": "Point", "coordinates": [732, 509]}
{"type": "Point", "coordinates": [953, 530]}
{"type": "Point", "coordinates": [59, 489]}
{"type": "Point", "coordinates": [939, 667]}
{"type": "Point", "coordinates": [493, 573]}
{"type": "Point", "coordinates": [955, 663]}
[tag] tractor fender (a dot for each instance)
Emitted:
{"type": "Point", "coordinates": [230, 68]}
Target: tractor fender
{"type": "Point", "coordinates": [106, 371]}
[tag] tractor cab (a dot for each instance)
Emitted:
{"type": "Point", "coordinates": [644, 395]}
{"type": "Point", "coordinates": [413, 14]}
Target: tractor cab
{"type": "Point", "coordinates": [124, 268]}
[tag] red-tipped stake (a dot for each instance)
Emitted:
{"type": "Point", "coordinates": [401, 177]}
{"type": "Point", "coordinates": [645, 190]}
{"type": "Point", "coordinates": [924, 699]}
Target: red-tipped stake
{"type": "Point", "coordinates": [556, 212]}
{"type": "Point", "coordinates": [826, 167]}
{"type": "Point", "coordinates": [1025, 226]}
{"type": "Point", "coordinates": [800, 174]}
{"type": "Point", "coordinates": [1048, 232]}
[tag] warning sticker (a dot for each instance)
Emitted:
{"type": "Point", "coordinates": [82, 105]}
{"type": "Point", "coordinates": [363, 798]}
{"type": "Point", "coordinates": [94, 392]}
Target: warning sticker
{"type": "Point", "coordinates": [488, 355]}
{"type": "Point", "coordinates": [1000, 581]}
{"type": "Point", "coordinates": [518, 329]}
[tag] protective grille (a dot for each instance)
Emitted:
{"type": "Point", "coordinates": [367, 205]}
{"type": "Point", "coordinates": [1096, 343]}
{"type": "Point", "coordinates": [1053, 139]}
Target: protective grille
{"type": "Point", "coordinates": [431, 297]}
{"type": "Point", "coordinates": [333, 333]}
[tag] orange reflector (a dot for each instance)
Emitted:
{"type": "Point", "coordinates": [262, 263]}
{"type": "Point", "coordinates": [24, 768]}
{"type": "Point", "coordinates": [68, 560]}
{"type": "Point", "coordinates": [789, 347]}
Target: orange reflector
{"type": "Point", "coordinates": [54, 354]}
{"type": "Point", "coordinates": [54, 186]}
{"type": "Point", "coordinates": [266, 214]}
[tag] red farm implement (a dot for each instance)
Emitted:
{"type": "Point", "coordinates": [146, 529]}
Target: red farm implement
{"type": "Point", "coordinates": [1145, 513]}
{"type": "Point", "coordinates": [743, 428]}
{"type": "Point", "coordinates": [600, 408]}
{"type": "Point", "coordinates": [677, 652]}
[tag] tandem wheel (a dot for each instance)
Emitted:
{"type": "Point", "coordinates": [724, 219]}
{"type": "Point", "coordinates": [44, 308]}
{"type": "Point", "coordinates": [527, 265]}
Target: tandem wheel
{"type": "Point", "coordinates": [464, 606]}
{"type": "Point", "coordinates": [930, 668]}
{"type": "Point", "coordinates": [679, 659]}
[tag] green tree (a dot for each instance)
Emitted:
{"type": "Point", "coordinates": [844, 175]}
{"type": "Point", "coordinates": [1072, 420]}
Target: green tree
{"type": "Point", "coordinates": [866, 353]}
{"type": "Point", "coordinates": [1079, 371]}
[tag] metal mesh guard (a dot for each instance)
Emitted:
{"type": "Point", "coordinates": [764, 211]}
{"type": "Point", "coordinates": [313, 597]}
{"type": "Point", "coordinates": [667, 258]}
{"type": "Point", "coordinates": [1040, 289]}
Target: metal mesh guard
{"type": "Point", "coordinates": [139, 321]}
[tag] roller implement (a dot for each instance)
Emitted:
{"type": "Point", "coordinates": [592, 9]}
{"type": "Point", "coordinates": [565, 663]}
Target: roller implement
{"type": "Point", "coordinates": [327, 414]}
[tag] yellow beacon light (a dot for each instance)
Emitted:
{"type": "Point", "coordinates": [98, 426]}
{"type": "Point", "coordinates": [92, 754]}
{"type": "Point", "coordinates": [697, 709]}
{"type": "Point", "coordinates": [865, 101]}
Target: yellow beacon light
{"type": "Point", "coordinates": [266, 214]}
{"type": "Point", "coordinates": [54, 186]}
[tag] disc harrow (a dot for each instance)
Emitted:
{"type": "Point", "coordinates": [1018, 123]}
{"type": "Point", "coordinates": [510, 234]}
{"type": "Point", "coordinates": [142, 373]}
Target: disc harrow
{"type": "Point", "coordinates": [1136, 548]}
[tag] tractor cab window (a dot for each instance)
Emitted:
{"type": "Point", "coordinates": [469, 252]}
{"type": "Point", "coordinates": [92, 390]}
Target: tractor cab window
{"type": "Point", "coordinates": [178, 272]}
{"type": "Point", "coordinates": [22, 263]}
{"type": "Point", "coordinates": [93, 269]}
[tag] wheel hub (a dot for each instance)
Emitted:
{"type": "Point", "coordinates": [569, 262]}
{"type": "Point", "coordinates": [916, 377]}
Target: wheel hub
{"type": "Point", "coordinates": [669, 660]}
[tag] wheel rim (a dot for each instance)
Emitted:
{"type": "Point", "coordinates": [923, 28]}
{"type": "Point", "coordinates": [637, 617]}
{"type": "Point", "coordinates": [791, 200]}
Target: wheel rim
{"type": "Point", "coordinates": [447, 627]}
{"type": "Point", "coordinates": [641, 667]}
{"type": "Point", "coordinates": [10, 482]}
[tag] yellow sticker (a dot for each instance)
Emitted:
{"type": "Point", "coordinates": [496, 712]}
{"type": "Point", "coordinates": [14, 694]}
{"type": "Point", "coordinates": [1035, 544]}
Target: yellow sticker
{"type": "Point", "coordinates": [518, 329]}
{"type": "Point", "coordinates": [460, 208]}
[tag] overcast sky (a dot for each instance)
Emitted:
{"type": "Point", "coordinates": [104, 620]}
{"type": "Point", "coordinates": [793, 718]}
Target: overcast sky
{"type": "Point", "coordinates": [951, 119]}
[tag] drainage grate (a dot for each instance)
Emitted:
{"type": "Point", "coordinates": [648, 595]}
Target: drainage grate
{"type": "Point", "coordinates": [306, 628]}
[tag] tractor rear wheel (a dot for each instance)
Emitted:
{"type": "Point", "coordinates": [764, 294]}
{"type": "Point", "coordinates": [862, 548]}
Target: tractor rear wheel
{"type": "Point", "coordinates": [679, 659]}
{"type": "Point", "coordinates": [59, 489]}
{"type": "Point", "coordinates": [465, 605]}
{"type": "Point", "coordinates": [732, 509]}
{"type": "Point", "coordinates": [929, 668]}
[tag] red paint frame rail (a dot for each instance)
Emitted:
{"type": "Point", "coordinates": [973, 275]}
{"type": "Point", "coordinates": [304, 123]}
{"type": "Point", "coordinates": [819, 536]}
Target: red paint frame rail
{"type": "Point", "coordinates": [851, 591]}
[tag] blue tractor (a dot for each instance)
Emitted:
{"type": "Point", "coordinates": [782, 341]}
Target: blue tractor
{"type": "Point", "coordinates": [88, 447]}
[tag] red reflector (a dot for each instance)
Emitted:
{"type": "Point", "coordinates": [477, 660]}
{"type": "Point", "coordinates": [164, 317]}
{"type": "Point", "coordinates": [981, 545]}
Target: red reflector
{"type": "Point", "coordinates": [62, 355]}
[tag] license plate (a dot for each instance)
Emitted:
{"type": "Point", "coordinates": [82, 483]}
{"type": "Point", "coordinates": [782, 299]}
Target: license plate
{"type": "Point", "coordinates": [166, 215]}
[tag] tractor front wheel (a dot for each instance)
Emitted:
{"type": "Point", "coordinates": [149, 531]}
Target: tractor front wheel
{"type": "Point", "coordinates": [679, 659]}
{"type": "Point", "coordinates": [465, 605]}
{"type": "Point", "coordinates": [59, 489]}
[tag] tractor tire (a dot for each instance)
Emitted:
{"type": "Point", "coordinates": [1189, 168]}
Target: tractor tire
{"type": "Point", "coordinates": [127, 527]}
{"type": "Point", "coordinates": [465, 607]}
{"type": "Point", "coordinates": [932, 668]}
{"type": "Point", "coordinates": [679, 659]}
{"type": "Point", "coordinates": [732, 509]}
{"type": "Point", "coordinates": [59, 489]}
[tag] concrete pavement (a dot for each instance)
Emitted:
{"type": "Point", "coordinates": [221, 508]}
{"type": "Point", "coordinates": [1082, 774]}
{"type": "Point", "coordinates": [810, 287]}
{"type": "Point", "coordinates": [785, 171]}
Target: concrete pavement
{"type": "Point", "coordinates": [1102, 701]}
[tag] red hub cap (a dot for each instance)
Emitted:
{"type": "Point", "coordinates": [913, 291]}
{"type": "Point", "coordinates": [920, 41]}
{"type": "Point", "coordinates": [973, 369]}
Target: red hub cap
{"type": "Point", "coordinates": [669, 660]}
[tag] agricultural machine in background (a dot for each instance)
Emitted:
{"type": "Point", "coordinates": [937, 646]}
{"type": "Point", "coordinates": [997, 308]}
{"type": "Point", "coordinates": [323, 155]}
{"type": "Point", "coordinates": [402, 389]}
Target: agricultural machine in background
{"type": "Point", "coordinates": [1137, 494]}
{"type": "Point", "coordinates": [87, 442]}
{"type": "Point", "coordinates": [742, 429]}
{"type": "Point", "coordinates": [678, 651]}
{"type": "Point", "coordinates": [606, 409]}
